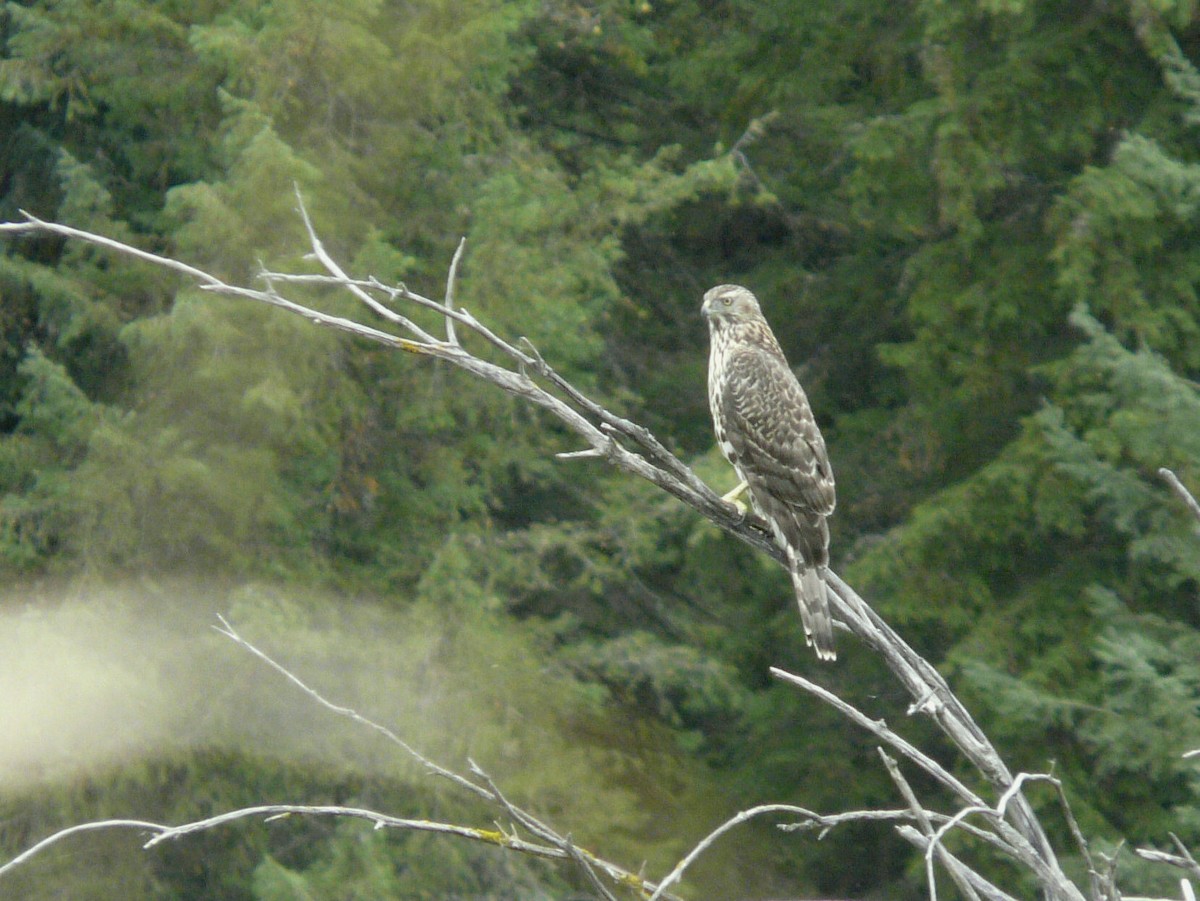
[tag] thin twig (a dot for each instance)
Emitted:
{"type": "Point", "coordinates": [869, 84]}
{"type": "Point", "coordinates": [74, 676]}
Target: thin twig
{"type": "Point", "coordinates": [1181, 490]}
{"type": "Point", "coordinates": [951, 863]}
{"type": "Point", "coordinates": [708, 840]}
{"type": "Point", "coordinates": [161, 832]}
{"type": "Point", "coordinates": [881, 730]}
{"type": "Point", "coordinates": [49, 840]}
{"type": "Point", "coordinates": [1185, 853]}
{"type": "Point", "coordinates": [450, 279]}
{"type": "Point", "coordinates": [229, 632]}
{"type": "Point", "coordinates": [488, 791]}
{"type": "Point", "coordinates": [1110, 875]}
{"type": "Point", "coordinates": [996, 814]}
{"type": "Point", "coordinates": [535, 826]}
{"type": "Point", "coordinates": [323, 257]}
{"type": "Point", "coordinates": [1100, 890]}
{"type": "Point", "coordinates": [828, 821]}
{"type": "Point", "coordinates": [585, 864]}
{"type": "Point", "coordinates": [917, 810]}
{"type": "Point", "coordinates": [1184, 859]}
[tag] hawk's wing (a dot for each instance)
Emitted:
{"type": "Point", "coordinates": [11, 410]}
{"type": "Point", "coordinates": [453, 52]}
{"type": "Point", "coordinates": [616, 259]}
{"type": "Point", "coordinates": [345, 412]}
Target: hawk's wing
{"type": "Point", "coordinates": [771, 428]}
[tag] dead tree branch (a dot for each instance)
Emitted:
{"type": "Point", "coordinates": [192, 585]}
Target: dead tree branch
{"type": "Point", "coordinates": [1011, 825]}
{"type": "Point", "coordinates": [1180, 490]}
{"type": "Point", "coordinates": [1183, 860]}
{"type": "Point", "coordinates": [547, 844]}
{"type": "Point", "coordinates": [547, 838]}
{"type": "Point", "coordinates": [160, 832]}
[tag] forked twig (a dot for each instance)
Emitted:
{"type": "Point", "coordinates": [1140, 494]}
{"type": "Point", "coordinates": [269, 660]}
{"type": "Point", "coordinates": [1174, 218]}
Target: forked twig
{"type": "Point", "coordinates": [550, 844]}
{"type": "Point", "coordinates": [563, 845]}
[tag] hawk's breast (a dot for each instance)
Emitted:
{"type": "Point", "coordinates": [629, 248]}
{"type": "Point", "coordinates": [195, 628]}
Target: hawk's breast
{"type": "Point", "coordinates": [717, 376]}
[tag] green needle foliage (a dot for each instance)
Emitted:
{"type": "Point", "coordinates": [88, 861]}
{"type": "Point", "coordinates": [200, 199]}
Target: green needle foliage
{"type": "Point", "coordinates": [975, 227]}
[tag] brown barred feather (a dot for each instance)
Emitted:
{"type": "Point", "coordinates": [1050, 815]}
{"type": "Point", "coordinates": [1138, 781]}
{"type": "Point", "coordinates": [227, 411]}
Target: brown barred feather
{"type": "Point", "coordinates": [766, 430]}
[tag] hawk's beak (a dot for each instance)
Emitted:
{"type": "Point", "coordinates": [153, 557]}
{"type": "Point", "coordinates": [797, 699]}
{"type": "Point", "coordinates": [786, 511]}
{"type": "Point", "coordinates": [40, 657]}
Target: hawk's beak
{"type": "Point", "coordinates": [706, 308]}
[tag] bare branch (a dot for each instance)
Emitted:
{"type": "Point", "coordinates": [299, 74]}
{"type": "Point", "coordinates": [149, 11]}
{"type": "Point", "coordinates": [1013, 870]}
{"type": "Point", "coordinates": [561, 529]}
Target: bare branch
{"type": "Point", "coordinates": [880, 730]}
{"type": "Point", "coordinates": [229, 632]}
{"type": "Point", "coordinates": [633, 449]}
{"type": "Point", "coordinates": [458, 252]}
{"type": "Point", "coordinates": [959, 872]}
{"type": "Point", "coordinates": [562, 846]}
{"type": "Point", "coordinates": [573, 408]}
{"type": "Point", "coordinates": [826, 822]}
{"type": "Point", "coordinates": [1183, 860]}
{"type": "Point", "coordinates": [708, 840]}
{"type": "Point", "coordinates": [1178, 487]}
{"type": "Point", "coordinates": [49, 840]}
{"type": "Point", "coordinates": [1103, 889]}
{"type": "Point", "coordinates": [1016, 842]}
{"type": "Point", "coordinates": [331, 265]}
{"type": "Point", "coordinates": [933, 697]}
{"type": "Point", "coordinates": [812, 820]}
{"type": "Point", "coordinates": [978, 884]}
{"type": "Point", "coordinates": [996, 814]}
{"type": "Point", "coordinates": [549, 845]}
{"type": "Point", "coordinates": [161, 832]}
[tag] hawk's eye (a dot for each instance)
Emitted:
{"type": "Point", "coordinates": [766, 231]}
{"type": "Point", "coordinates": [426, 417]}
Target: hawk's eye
{"type": "Point", "coordinates": [727, 300]}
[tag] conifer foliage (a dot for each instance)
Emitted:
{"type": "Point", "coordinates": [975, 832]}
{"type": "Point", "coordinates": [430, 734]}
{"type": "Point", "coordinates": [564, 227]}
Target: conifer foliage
{"type": "Point", "coordinates": [976, 225]}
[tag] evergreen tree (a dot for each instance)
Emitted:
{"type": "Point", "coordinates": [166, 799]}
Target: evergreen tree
{"type": "Point", "coordinates": [920, 193]}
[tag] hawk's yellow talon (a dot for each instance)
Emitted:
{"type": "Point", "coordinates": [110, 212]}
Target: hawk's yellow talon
{"type": "Point", "coordinates": [731, 497]}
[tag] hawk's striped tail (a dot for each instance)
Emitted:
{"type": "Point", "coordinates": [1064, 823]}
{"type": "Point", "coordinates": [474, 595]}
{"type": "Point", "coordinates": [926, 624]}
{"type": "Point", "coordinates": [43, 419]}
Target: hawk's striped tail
{"type": "Point", "coordinates": [811, 594]}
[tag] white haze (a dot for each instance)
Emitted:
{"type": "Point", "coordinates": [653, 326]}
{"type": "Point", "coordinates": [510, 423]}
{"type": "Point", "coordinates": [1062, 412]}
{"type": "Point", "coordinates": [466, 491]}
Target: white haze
{"type": "Point", "coordinates": [101, 677]}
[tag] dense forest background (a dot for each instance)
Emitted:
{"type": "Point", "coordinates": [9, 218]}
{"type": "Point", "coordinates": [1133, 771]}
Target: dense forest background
{"type": "Point", "coordinates": [975, 227]}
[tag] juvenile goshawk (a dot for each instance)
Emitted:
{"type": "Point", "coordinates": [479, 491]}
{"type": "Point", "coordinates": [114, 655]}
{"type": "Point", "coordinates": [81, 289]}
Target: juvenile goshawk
{"type": "Point", "coordinates": [766, 430]}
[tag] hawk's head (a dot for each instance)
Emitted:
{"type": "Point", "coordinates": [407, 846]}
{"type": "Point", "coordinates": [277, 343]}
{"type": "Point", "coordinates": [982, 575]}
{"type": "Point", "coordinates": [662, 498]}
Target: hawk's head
{"type": "Point", "coordinates": [726, 304]}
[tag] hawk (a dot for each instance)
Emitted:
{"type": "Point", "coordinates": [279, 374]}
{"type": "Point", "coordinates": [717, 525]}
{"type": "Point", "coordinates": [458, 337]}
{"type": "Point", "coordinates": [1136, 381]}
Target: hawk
{"type": "Point", "coordinates": [765, 429]}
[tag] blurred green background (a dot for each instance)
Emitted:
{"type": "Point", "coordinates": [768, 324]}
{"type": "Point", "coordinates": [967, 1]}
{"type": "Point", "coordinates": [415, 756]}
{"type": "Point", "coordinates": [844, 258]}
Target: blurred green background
{"type": "Point", "coordinates": [974, 228]}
